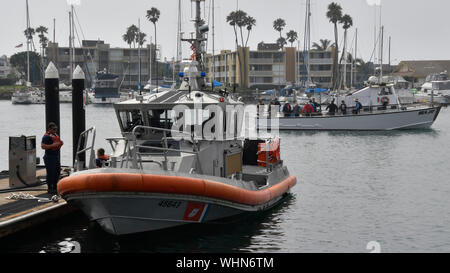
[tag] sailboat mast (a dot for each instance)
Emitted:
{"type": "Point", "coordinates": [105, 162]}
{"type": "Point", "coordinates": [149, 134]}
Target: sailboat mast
{"type": "Point", "coordinates": [28, 43]}
{"type": "Point", "coordinates": [307, 43]}
{"type": "Point", "coordinates": [354, 59]}
{"type": "Point", "coordinates": [381, 53]}
{"type": "Point", "coordinates": [213, 48]}
{"type": "Point", "coordinates": [73, 40]}
{"type": "Point", "coordinates": [71, 52]}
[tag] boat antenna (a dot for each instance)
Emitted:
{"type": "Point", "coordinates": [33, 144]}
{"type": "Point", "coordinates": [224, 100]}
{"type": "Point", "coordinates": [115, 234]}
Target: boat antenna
{"type": "Point", "coordinates": [197, 41]}
{"type": "Point", "coordinates": [139, 54]}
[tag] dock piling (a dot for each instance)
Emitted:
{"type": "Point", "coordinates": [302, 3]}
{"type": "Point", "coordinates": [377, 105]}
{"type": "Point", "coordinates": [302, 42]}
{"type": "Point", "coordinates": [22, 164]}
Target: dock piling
{"type": "Point", "coordinates": [52, 113]}
{"type": "Point", "coordinates": [78, 113]}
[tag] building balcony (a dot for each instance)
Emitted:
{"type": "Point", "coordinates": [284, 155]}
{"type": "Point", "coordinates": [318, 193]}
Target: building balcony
{"type": "Point", "coordinates": [261, 73]}
{"type": "Point", "coordinates": [260, 61]}
{"type": "Point", "coordinates": [321, 61]}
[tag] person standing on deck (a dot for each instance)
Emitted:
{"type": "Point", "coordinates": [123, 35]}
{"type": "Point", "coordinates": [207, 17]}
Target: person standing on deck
{"type": "Point", "coordinates": [332, 108]}
{"type": "Point", "coordinates": [343, 108]}
{"type": "Point", "coordinates": [52, 143]}
{"type": "Point", "coordinates": [358, 106]}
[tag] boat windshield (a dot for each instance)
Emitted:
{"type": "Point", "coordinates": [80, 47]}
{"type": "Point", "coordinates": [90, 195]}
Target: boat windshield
{"type": "Point", "coordinates": [130, 119]}
{"type": "Point", "coordinates": [160, 118]}
{"type": "Point", "coordinates": [384, 91]}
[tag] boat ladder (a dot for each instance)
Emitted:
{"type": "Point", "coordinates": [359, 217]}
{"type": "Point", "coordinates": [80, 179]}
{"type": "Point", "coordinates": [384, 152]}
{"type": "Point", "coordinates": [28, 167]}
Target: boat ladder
{"type": "Point", "coordinates": [82, 148]}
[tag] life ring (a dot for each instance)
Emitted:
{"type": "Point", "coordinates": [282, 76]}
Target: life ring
{"type": "Point", "coordinates": [385, 100]}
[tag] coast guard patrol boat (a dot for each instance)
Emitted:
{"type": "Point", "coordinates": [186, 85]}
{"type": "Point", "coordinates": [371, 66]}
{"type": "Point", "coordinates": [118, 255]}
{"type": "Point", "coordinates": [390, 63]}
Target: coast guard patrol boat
{"type": "Point", "coordinates": [177, 162]}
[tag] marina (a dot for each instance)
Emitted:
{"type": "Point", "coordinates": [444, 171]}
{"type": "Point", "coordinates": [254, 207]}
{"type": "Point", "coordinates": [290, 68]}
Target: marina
{"type": "Point", "coordinates": [351, 200]}
{"type": "Point", "coordinates": [289, 148]}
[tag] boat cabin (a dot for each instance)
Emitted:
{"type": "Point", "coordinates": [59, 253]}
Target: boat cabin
{"type": "Point", "coordinates": [181, 131]}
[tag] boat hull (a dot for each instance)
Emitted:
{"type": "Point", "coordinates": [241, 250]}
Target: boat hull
{"type": "Point", "coordinates": [128, 213]}
{"type": "Point", "coordinates": [126, 203]}
{"type": "Point", "coordinates": [383, 121]}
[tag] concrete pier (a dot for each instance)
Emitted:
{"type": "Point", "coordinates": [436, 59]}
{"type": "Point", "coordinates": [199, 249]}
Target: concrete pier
{"type": "Point", "coordinates": [18, 215]}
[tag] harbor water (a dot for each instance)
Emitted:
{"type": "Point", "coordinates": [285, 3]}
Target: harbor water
{"type": "Point", "coordinates": [354, 188]}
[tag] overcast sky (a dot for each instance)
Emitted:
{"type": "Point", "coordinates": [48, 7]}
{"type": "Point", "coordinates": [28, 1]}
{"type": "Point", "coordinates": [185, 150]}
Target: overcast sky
{"type": "Point", "coordinates": [419, 29]}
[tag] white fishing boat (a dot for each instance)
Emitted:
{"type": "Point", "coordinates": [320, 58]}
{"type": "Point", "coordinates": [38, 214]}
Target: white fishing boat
{"type": "Point", "coordinates": [382, 110]}
{"type": "Point", "coordinates": [177, 163]}
{"type": "Point", "coordinates": [436, 89]}
{"type": "Point", "coordinates": [28, 96]}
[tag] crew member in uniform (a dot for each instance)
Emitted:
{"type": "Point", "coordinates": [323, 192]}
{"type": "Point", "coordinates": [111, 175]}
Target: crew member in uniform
{"type": "Point", "coordinates": [52, 144]}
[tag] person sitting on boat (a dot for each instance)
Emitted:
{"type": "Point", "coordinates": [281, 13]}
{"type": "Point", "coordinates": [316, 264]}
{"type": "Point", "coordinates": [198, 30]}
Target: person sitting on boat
{"type": "Point", "coordinates": [343, 108]}
{"type": "Point", "coordinates": [101, 158]}
{"type": "Point", "coordinates": [287, 109]}
{"type": "Point", "coordinates": [358, 106]}
{"type": "Point", "coordinates": [332, 108]}
{"type": "Point", "coordinates": [307, 109]}
{"type": "Point", "coordinates": [297, 109]}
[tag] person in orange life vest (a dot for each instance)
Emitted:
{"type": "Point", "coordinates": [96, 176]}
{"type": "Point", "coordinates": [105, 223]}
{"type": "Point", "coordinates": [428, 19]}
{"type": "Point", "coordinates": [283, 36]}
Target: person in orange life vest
{"type": "Point", "coordinates": [52, 144]}
{"type": "Point", "coordinates": [308, 109]}
{"type": "Point", "coordinates": [101, 158]}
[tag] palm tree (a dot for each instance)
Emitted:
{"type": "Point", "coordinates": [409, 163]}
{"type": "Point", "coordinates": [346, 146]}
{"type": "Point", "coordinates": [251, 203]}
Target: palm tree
{"type": "Point", "coordinates": [281, 42]}
{"type": "Point", "coordinates": [279, 25]}
{"type": "Point", "coordinates": [323, 45]}
{"type": "Point", "coordinates": [128, 37]}
{"type": "Point", "coordinates": [29, 33]}
{"type": "Point", "coordinates": [140, 38]}
{"type": "Point", "coordinates": [334, 14]}
{"type": "Point", "coordinates": [241, 17]}
{"type": "Point", "coordinates": [347, 22]}
{"type": "Point", "coordinates": [42, 39]}
{"type": "Point", "coordinates": [232, 20]}
{"type": "Point", "coordinates": [153, 16]}
{"type": "Point", "coordinates": [292, 36]}
{"type": "Point", "coordinates": [250, 22]}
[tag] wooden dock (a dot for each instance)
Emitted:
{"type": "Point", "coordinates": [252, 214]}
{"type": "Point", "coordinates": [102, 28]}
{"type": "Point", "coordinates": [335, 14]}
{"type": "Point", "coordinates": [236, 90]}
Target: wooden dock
{"type": "Point", "coordinates": [17, 215]}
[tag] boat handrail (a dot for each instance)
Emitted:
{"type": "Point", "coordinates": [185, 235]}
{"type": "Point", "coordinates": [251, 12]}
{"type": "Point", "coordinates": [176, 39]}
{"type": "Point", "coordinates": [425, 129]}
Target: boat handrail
{"type": "Point", "coordinates": [133, 132]}
{"type": "Point", "coordinates": [115, 140]}
{"type": "Point", "coordinates": [77, 165]}
{"type": "Point", "coordinates": [165, 149]}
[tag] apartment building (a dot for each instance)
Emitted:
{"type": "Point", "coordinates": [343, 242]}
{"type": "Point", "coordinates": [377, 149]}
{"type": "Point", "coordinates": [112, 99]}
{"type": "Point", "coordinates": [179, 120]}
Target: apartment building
{"type": "Point", "coordinates": [96, 55]}
{"type": "Point", "coordinates": [269, 67]}
{"type": "Point", "coordinates": [5, 67]}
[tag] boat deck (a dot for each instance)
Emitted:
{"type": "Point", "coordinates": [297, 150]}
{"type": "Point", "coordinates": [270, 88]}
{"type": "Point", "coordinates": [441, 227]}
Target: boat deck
{"type": "Point", "coordinates": [17, 215]}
